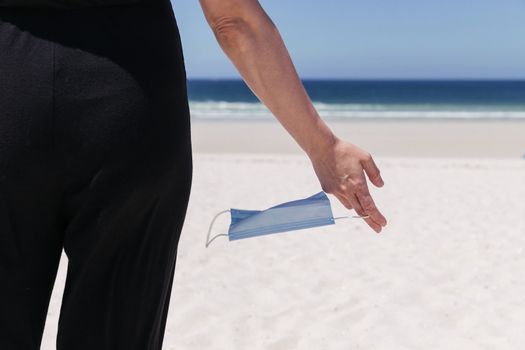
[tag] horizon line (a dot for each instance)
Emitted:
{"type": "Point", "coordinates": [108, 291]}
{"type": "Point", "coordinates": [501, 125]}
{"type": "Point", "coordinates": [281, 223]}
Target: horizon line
{"type": "Point", "coordinates": [518, 79]}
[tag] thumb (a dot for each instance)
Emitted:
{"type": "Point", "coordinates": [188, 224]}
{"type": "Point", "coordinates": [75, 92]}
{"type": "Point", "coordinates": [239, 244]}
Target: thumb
{"type": "Point", "coordinates": [372, 171]}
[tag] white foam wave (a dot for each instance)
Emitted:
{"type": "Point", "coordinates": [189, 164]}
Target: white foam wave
{"type": "Point", "coordinates": [256, 111]}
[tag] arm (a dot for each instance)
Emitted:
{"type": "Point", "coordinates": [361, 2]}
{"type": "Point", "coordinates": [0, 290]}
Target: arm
{"type": "Point", "coordinates": [252, 42]}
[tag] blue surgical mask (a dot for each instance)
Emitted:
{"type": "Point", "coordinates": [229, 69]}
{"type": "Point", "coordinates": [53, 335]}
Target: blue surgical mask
{"type": "Point", "coordinates": [299, 214]}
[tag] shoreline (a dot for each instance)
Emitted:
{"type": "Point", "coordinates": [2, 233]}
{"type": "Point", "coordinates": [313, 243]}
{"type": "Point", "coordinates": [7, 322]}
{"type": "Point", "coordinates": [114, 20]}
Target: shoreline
{"type": "Point", "coordinates": [441, 138]}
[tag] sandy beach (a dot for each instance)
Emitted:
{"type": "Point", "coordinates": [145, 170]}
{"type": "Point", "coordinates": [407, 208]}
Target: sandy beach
{"type": "Point", "coordinates": [446, 273]}
{"type": "Point", "coordinates": [386, 138]}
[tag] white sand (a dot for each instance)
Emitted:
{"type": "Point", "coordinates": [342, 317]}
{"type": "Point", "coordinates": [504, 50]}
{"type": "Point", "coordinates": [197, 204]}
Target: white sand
{"type": "Point", "coordinates": [386, 138]}
{"type": "Point", "coordinates": [446, 273]}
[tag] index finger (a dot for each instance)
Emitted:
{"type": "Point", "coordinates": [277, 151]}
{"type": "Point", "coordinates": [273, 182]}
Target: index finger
{"type": "Point", "coordinates": [369, 206]}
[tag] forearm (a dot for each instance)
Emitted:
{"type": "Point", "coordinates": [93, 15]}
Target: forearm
{"type": "Point", "coordinates": [257, 50]}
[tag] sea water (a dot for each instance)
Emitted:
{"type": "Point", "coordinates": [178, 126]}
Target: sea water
{"type": "Point", "coordinates": [351, 99]}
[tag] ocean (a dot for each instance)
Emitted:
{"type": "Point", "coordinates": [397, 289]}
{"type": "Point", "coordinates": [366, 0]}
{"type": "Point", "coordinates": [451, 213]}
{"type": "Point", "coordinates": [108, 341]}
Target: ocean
{"type": "Point", "coordinates": [351, 99]}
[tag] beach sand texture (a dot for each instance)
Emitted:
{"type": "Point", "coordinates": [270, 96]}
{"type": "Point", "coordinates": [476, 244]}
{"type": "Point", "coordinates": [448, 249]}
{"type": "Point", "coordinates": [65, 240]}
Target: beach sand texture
{"type": "Point", "coordinates": [446, 273]}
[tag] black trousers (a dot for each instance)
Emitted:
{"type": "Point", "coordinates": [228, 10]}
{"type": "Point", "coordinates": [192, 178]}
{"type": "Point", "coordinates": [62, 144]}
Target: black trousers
{"type": "Point", "coordinates": [95, 159]}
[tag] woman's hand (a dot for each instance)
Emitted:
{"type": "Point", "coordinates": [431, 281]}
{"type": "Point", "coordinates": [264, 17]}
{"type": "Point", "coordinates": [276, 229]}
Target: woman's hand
{"type": "Point", "coordinates": [340, 169]}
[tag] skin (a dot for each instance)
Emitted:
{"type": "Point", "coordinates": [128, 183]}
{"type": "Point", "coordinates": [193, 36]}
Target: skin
{"type": "Point", "coordinates": [253, 43]}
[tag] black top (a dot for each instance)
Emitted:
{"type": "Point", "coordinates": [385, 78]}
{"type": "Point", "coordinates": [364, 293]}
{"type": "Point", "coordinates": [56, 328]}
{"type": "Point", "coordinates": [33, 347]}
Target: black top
{"type": "Point", "coordinates": [64, 3]}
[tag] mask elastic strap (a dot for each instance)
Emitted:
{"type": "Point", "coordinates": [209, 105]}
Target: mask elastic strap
{"type": "Point", "coordinates": [352, 217]}
{"type": "Point", "coordinates": [211, 225]}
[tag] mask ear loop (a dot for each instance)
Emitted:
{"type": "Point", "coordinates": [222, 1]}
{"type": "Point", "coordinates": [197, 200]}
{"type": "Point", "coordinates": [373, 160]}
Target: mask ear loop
{"type": "Point", "coordinates": [211, 225]}
{"type": "Point", "coordinates": [352, 217]}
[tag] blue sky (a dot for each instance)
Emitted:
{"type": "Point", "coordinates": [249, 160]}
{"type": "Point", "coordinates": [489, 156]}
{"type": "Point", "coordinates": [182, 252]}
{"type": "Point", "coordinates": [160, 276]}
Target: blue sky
{"type": "Point", "coordinates": [389, 39]}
